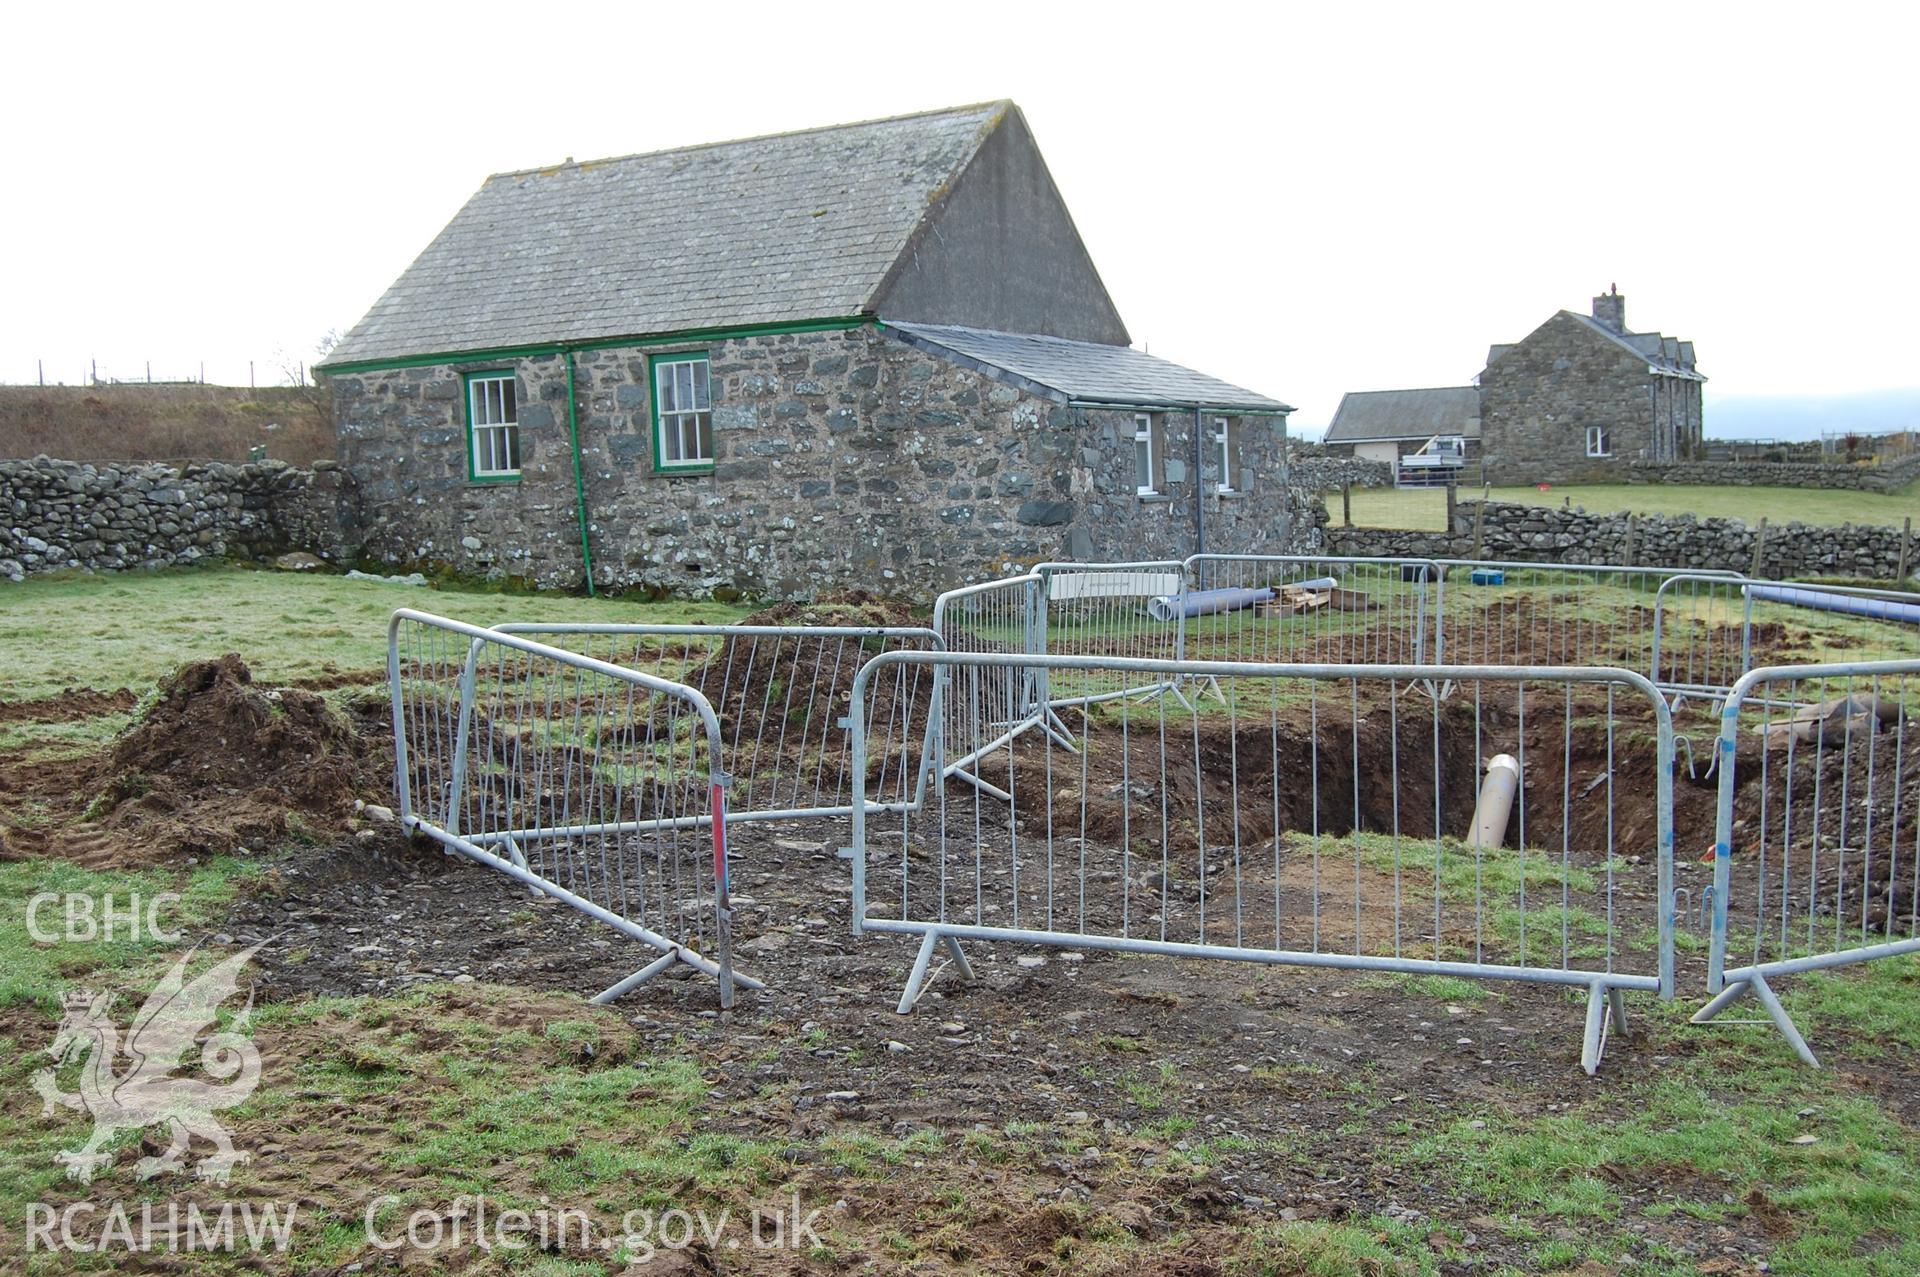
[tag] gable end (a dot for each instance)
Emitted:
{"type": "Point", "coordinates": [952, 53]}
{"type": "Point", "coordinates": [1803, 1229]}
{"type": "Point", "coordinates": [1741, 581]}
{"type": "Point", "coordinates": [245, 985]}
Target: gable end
{"type": "Point", "coordinates": [998, 250]}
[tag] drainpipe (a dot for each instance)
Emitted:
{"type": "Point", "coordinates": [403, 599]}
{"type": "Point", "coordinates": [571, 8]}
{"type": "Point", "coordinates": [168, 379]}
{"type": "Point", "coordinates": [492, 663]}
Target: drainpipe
{"type": "Point", "coordinates": [1199, 505]}
{"type": "Point", "coordinates": [579, 473]}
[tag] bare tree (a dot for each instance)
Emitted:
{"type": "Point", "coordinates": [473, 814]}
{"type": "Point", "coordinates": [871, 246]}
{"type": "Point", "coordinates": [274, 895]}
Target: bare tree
{"type": "Point", "coordinates": [311, 390]}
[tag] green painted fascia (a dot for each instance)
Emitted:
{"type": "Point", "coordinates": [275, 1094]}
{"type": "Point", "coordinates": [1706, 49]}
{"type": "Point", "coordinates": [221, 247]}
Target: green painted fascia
{"type": "Point", "coordinates": [466, 397]}
{"type": "Point", "coordinates": [832, 324]}
{"type": "Point", "coordinates": [653, 410]}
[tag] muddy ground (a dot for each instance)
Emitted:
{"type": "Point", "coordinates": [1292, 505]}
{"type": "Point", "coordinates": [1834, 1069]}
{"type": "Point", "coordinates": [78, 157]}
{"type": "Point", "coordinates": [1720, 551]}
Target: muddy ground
{"type": "Point", "coordinates": [1285, 1073]}
{"type": "Point", "coordinates": [1105, 1045]}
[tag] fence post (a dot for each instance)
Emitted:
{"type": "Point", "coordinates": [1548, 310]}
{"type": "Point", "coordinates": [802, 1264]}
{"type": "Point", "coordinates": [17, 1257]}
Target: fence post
{"type": "Point", "coordinates": [1346, 502]}
{"type": "Point", "coordinates": [1759, 545]}
{"type": "Point", "coordinates": [1906, 546]}
{"type": "Point", "coordinates": [1479, 526]}
{"type": "Point", "coordinates": [1633, 524]}
{"type": "Point", "coordinates": [1452, 504]}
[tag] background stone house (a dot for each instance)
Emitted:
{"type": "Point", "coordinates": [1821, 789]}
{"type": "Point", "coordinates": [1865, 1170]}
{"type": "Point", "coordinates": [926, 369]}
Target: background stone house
{"type": "Point", "coordinates": [872, 355]}
{"type": "Point", "coordinates": [1578, 400]}
{"type": "Point", "coordinates": [1581, 397]}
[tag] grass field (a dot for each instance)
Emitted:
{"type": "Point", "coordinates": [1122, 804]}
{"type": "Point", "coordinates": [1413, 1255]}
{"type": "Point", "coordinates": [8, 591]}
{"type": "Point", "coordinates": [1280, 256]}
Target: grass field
{"type": "Point", "coordinates": [1425, 510]}
{"type": "Point", "coordinates": [127, 630]}
{"type": "Point", "coordinates": [1402, 1149]}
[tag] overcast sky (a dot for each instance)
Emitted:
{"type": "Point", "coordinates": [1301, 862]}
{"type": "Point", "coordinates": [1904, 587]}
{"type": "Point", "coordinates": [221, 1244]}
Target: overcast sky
{"type": "Point", "coordinates": [1303, 200]}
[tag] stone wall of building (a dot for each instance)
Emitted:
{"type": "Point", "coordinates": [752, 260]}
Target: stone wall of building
{"type": "Point", "coordinates": [1538, 400]}
{"type": "Point", "coordinates": [1517, 532]}
{"type": "Point", "coordinates": [1890, 477]}
{"type": "Point", "coordinates": [57, 515]}
{"type": "Point", "coordinates": [844, 458]}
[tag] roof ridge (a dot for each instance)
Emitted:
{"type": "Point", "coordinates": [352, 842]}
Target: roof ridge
{"type": "Point", "coordinates": [1404, 390]}
{"type": "Point", "coordinates": [1000, 103]}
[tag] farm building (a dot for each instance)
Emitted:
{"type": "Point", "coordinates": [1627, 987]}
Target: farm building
{"type": "Point", "coordinates": [1576, 400]}
{"type": "Point", "coordinates": [1385, 425]}
{"type": "Point", "coordinates": [875, 354]}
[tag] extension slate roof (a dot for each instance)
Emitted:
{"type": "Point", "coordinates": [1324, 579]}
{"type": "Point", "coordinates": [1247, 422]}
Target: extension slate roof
{"type": "Point", "coordinates": [794, 226]}
{"type": "Point", "coordinates": [1083, 372]}
{"type": "Point", "coordinates": [1372, 416]}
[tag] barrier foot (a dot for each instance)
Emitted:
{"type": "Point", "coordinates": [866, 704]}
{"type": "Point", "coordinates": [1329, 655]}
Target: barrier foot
{"type": "Point", "coordinates": [960, 963]}
{"type": "Point", "coordinates": [917, 977]}
{"type": "Point", "coordinates": [1594, 1045]}
{"type": "Point", "coordinates": [637, 979]}
{"type": "Point", "coordinates": [1782, 1021]}
{"type": "Point", "coordinates": [985, 787]}
{"type": "Point", "coordinates": [680, 953]}
{"type": "Point", "coordinates": [519, 858]}
{"type": "Point", "coordinates": [1057, 730]}
{"type": "Point", "coordinates": [1617, 1006]}
{"type": "Point", "coordinates": [1721, 1001]}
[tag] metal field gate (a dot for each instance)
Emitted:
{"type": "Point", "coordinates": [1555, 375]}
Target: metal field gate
{"type": "Point", "coordinates": [1311, 815]}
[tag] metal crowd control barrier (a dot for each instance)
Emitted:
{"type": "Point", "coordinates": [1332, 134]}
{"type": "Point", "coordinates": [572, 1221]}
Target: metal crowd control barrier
{"type": "Point", "coordinates": [782, 694]}
{"type": "Point", "coordinates": [1111, 609]}
{"type": "Point", "coordinates": [1519, 613]}
{"type": "Point", "coordinates": [998, 617]}
{"type": "Point", "coordinates": [1709, 630]}
{"type": "Point", "coordinates": [1821, 765]}
{"type": "Point", "coordinates": [1314, 815]}
{"type": "Point", "coordinates": [600, 786]}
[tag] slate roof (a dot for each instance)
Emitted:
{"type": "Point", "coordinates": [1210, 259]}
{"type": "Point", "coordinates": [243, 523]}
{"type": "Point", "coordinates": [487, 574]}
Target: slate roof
{"type": "Point", "coordinates": [774, 229]}
{"type": "Point", "coordinates": [1083, 372]}
{"type": "Point", "coordinates": [1371, 416]}
{"type": "Point", "coordinates": [1666, 356]}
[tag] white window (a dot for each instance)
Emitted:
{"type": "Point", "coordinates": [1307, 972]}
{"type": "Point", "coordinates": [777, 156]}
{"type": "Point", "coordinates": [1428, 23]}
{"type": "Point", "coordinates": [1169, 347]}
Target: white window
{"type": "Point", "coordinates": [1143, 454]}
{"type": "Point", "coordinates": [683, 413]}
{"type": "Point", "coordinates": [493, 427]}
{"type": "Point", "coordinates": [1598, 443]}
{"type": "Point", "coordinates": [1223, 448]}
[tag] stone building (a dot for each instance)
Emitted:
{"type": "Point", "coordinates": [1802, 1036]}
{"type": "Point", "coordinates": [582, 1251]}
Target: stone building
{"type": "Point", "coordinates": [873, 355]}
{"type": "Point", "coordinates": [1581, 397]}
{"type": "Point", "coordinates": [1385, 425]}
{"type": "Point", "coordinates": [1578, 400]}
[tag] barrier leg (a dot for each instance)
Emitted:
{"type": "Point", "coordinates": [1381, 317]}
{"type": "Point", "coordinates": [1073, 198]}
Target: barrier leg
{"type": "Point", "coordinates": [1782, 1021]}
{"type": "Point", "coordinates": [637, 979]}
{"type": "Point", "coordinates": [1617, 1004]}
{"type": "Point", "coordinates": [916, 977]}
{"type": "Point", "coordinates": [960, 962]}
{"type": "Point", "coordinates": [1721, 1001]}
{"type": "Point", "coordinates": [1595, 1042]}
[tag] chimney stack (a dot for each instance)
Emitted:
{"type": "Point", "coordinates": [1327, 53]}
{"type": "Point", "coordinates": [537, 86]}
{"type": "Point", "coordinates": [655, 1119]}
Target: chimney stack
{"type": "Point", "coordinates": [1610, 308]}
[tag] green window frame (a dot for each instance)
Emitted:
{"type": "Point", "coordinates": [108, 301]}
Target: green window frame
{"type": "Point", "coordinates": [493, 425]}
{"type": "Point", "coordinates": [682, 395]}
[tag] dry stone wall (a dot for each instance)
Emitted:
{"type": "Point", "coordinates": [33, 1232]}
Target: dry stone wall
{"type": "Point", "coordinates": [1315, 469]}
{"type": "Point", "coordinates": [1888, 477]}
{"type": "Point", "coordinates": [1523, 532]}
{"type": "Point", "coordinates": [63, 515]}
